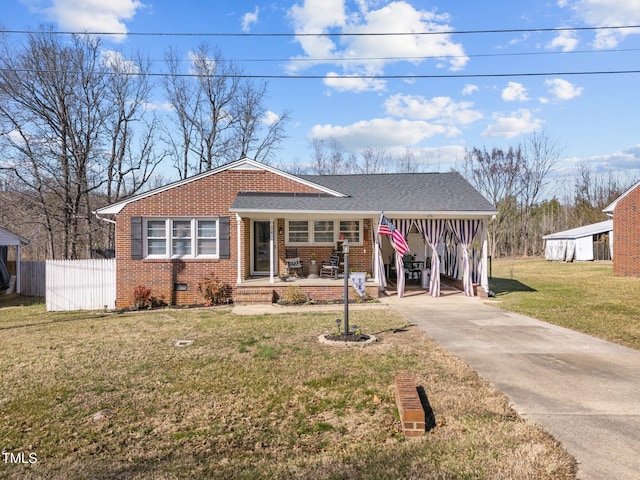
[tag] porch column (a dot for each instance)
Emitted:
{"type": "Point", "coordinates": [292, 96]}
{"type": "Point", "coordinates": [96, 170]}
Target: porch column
{"type": "Point", "coordinates": [271, 252]}
{"type": "Point", "coordinates": [239, 247]}
{"type": "Point", "coordinates": [484, 274]}
{"type": "Point", "coordinates": [376, 251]}
{"type": "Point", "coordinates": [19, 269]}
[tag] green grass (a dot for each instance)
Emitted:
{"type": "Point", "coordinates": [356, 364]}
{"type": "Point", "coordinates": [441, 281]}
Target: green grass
{"type": "Point", "coordinates": [252, 397]}
{"type": "Point", "coordinates": [583, 296]}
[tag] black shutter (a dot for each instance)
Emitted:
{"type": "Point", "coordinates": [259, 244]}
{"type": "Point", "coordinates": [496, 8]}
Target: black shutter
{"type": "Point", "coordinates": [225, 237]}
{"type": "Point", "coordinates": [136, 238]}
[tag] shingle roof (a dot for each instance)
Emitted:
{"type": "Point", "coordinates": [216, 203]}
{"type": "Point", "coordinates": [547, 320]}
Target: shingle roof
{"type": "Point", "coordinates": [370, 193]}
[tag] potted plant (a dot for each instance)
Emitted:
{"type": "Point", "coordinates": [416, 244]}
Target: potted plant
{"type": "Point", "coordinates": [313, 259]}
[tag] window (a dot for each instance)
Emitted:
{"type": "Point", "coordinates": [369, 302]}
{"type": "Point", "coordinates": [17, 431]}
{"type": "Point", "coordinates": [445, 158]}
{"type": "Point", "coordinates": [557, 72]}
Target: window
{"type": "Point", "coordinates": [207, 237]}
{"type": "Point", "coordinates": [182, 237]}
{"type": "Point", "coordinates": [351, 230]}
{"type": "Point", "coordinates": [323, 231]}
{"type": "Point", "coordinates": [156, 237]}
{"type": "Point", "coordinates": [298, 231]}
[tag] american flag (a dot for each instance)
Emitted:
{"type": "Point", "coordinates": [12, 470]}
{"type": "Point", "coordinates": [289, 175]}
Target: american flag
{"type": "Point", "coordinates": [387, 228]}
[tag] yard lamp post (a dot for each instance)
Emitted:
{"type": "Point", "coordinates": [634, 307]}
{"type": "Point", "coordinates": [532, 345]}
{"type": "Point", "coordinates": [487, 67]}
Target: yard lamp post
{"type": "Point", "coordinates": [345, 251]}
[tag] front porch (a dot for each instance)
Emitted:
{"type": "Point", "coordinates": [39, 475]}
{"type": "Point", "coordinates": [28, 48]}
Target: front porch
{"type": "Point", "coordinates": [261, 290]}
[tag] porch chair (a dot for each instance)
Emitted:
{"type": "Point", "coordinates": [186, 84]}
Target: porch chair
{"type": "Point", "coordinates": [411, 271]}
{"type": "Point", "coordinates": [331, 269]}
{"type": "Point", "coordinates": [294, 264]}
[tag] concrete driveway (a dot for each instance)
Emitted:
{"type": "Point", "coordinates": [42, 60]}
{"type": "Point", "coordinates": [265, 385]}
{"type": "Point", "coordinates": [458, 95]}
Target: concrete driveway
{"type": "Point", "coordinates": [583, 390]}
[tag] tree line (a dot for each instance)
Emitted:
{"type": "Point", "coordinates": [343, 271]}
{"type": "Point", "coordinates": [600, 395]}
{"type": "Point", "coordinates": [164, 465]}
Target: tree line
{"type": "Point", "coordinates": [78, 130]}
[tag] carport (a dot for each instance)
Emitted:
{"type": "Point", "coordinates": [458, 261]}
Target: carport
{"type": "Point", "coordinates": [10, 239]}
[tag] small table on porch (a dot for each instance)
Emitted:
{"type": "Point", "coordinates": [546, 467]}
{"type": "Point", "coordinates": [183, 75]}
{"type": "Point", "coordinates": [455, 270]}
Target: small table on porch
{"type": "Point", "coordinates": [314, 271]}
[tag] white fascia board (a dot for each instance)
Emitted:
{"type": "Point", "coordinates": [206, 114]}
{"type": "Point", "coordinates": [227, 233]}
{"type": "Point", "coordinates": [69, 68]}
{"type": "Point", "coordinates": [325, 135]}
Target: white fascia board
{"type": "Point", "coordinates": [611, 207]}
{"type": "Point", "coordinates": [351, 213]}
{"type": "Point", "coordinates": [249, 164]}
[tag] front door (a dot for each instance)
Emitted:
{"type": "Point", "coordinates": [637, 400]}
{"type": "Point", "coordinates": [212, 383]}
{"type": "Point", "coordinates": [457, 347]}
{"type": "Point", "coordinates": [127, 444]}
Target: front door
{"type": "Point", "coordinates": [261, 247]}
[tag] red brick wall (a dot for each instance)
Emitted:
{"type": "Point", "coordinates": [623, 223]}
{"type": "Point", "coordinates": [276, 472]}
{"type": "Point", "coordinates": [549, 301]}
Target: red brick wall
{"type": "Point", "coordinates": [208, 196]}
{"type": "Point", "coordinates": [626, 235]}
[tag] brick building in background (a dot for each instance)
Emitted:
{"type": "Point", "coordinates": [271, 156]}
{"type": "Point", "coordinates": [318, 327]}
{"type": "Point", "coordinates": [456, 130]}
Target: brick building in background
{"type": "Point", "coordinates": [625, 211]}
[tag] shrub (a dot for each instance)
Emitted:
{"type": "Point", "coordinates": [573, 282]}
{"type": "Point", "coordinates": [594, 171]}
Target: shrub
{"type": "Point", "coordinates": [141, 297]}
{"type": "Point", "coordinates": [214, 291]}
{"type": "Point", "coordinates": [294, 294]}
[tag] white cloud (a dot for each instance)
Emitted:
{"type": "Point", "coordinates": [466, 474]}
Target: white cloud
{"type": "Point", "coordinates": [344, 83]}
{"type": "Point", "coordinates": [116, 62]}
{"type": "Point", "coordinates": [566, 41]}
{"type": "Point", "coordinates": [379, 133]}
{"type": "Point", "coordinates": [515, 92]}
{"type": "Point", "coordinates": [370, 54]}
{"type": "Point", "coordinates": [249, 19]}
{"type": "Point", "coordinates": [606, 13]}
{"type": "Point", "coordinates": [517, 123]}
{"type": "Point", "coordinates": [562, 89]}
{"type": "Point", "coordinates": [469, 89]}
{"type": "Point", "coordinates": [270, 118]}
{"type": "Point", "coordinates": [92, 16]}
{"type": "Point", "coordinates": [442, 110]}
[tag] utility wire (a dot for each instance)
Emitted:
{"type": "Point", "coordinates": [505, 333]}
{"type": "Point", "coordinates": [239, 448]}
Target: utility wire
{"type": "Point", "coordinates": [344, 77]}
{"type": "Point", "coordinates": [329, 34]}
{"type": "Point", "coordinates": [426, 57]}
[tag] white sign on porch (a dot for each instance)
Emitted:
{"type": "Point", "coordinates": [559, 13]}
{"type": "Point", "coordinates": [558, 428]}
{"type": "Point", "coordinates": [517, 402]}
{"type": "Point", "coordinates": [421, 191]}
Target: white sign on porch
{"type": "Point", "coordinates": [358, 280]}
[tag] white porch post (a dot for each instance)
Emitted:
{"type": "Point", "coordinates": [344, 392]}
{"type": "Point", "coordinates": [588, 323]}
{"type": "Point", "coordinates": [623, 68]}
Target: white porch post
{"type": "Point", "coordinates": [484, 279]}
{"type": "Point", "coordinates": [19, 269]}
{"type": "Point", "coordinates": [271, 251]}
{"type": "Point", "coordinates": [239, 246]}
{"type": "Point", "coordinates": [376, 251]}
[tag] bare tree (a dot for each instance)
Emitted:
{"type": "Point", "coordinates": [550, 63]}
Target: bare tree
{"type": "Point", "coordinates": [65, 116]}
{"type": "Point", "coordinates": [330, 158]}
{"type": "Point", "coordinates": [374, 160]}
{"type": "Point", "coordinates": [220, 115]}
{"type": "Point", "coordinates": [407, 162]}
{"type": "Point", "coordinates": [257, 131]}
{"type": "Point", "coordinates": [496, 175]}
{"type": "Point", "coordinates": [539, 154]}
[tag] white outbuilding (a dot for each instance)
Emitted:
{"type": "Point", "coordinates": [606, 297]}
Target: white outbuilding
{"type": "Point", "coordinates": [9, 283]}
{"type": "Point", "coordinates": [590, 242]}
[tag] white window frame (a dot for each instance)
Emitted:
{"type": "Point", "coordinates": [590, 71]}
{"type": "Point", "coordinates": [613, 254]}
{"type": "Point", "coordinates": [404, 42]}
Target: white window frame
{"type": "Point", "coordinates": [360, 232]}
{"type": "Point", "coordinates": [311, 232]}
{"type": "Point", "coordinates": [168, 230]}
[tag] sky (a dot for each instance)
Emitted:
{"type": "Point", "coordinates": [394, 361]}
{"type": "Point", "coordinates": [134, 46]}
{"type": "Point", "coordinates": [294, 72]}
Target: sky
{"type": "Point", "coordinates": [497, 71]}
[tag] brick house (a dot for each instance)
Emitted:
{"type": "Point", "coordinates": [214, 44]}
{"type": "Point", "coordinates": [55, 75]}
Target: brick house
{"type": "Point", "coordinates": [625, 211]}
{"type": "Point", "coordinates": [237, 223]}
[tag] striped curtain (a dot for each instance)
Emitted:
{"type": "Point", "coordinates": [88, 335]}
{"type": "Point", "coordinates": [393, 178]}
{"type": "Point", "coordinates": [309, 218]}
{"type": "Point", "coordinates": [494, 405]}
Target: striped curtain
{"type": "Point", "coordinates": [465, 230]}
{"type": "Point", "coordinates": [403, 225]}
{"type": "Point", "coordinates": [432, 231]}
{"type": "Point", "coordinates": [450, 254]}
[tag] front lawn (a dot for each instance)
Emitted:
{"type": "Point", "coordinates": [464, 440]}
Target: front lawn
{"type": "Point", "coordinates": [583, 296]}
{"type": "Point", "coordinates": [251, 397]}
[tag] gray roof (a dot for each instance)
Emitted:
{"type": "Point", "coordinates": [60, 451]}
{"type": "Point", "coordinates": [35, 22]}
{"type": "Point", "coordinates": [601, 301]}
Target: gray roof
{"type": "Point", "coordinates": [584, 231]}
{"type": "Point", "coordinates": [393, 193]}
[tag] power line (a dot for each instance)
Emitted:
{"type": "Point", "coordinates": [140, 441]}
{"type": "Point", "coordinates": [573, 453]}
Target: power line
{"type": "Point", "coordinates": [425, 57]}
{"type": "Point", "coordinates": [328, 34]}
{"type": "Point", "coordinates": [346, 77]}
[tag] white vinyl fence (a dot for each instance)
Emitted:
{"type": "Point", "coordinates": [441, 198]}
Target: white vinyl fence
{"type": "Point", "coordinates": [80, 284]}
{"type": "Point", "coordinates": [32, 278]}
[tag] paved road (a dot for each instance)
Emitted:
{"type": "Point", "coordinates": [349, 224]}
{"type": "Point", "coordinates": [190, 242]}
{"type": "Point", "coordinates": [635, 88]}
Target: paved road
{"type": "Point", "coordinates": [583, 390]}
